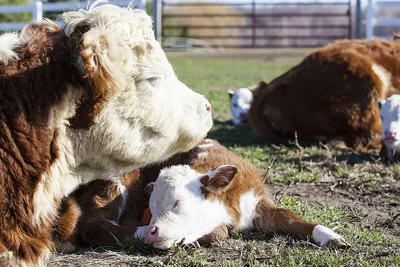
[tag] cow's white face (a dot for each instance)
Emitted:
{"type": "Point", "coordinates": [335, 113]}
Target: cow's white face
{"type": "Point", "coordinates": [390, 120]}
{"type": "Point", "coordinates": [241, 101]}
{"type": "Point", "coordinates": [147, 114]}
{"type": "Point", "coordinates": [180, 207]}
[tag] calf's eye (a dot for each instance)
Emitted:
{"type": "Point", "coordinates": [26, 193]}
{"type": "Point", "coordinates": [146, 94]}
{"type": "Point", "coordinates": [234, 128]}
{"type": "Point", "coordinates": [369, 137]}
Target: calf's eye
{"type": "Point", "coordinates": [381, 118]}
{"type": "Point", "coordinates": [235, 105]}
{"type": "Point", "coordinates": [176, 204]}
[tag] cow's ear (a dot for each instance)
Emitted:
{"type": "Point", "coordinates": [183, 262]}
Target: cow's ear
{"type": "Point", "coordinates": [381, 103]}
{"type": "Point", "coordinates": [102, 57]}
{"type": "Point", "coordinates": [218, 180]}
{"type": "Point", "coordinates": [231, 93]}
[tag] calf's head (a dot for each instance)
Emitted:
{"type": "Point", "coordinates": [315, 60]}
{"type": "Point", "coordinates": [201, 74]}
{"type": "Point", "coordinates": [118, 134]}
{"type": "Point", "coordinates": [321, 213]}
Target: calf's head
{"type": "Point", "coordinates": [240, 101]}
{"type": "Point", "coordinates": [136, 111]}
{"type": "Point", "coordinates": [184, 204]}
{"type": "Point", "coordinates": [390, 120]}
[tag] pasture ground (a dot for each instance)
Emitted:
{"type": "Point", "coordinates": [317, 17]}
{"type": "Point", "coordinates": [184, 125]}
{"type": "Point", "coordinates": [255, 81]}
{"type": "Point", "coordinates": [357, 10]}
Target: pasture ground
{"type": "Point", "coordinates": [354, 193]}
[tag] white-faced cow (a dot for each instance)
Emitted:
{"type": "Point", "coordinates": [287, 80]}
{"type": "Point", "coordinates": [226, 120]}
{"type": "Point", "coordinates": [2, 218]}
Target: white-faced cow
{"type": "Point", "coordinates": [191, 201]}
{"type": "Point", "coordinates": [240, 102]}
{"type": "Point", "coordinates": [390, 119]}
{"type": "Point", "coordinates": [332, 94]}
{"type": "Point", "coordinates": [92, 100]}
{"type": "Point", "coordinates": [208, 190]}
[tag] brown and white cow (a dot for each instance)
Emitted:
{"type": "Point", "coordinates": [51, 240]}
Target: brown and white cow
{"type": "Point", "coordinates": [332, 94]}
{"type": "Point", "coordinates": [92, 100]}
{"type": "Point", "coordinates": [206, 191]}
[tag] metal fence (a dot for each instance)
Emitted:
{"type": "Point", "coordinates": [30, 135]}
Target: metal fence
{"type": "Point", "coordinates": [37, 8]}
{"type": "Point", "coordinates": [373, 20]}
{"type": "Point", "coordinates": [257, 24]}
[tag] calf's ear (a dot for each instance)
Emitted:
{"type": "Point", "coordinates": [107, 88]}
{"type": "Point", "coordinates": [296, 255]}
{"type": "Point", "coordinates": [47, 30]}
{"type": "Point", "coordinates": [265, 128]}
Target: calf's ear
{"type": "Point", "coordinates": [231, 93]}
{"type": "Point", "coordinates": [218, 180]}
{"type": "Point", "coordinates": [381, 103]}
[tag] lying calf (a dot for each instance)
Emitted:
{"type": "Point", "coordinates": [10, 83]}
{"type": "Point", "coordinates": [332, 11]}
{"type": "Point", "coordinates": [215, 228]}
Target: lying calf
{"type": "Point", "coordinates": [240, 102]}
{"type": "Point", "coordinates": [190, 201]}
{"type": "Point", "coordinates": [198, 199]}
{"type": "Point", "coordinates": [390, 112]}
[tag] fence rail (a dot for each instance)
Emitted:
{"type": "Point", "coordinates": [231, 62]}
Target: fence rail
{"type": "Point", "coordinates": [37, 9]}
{"type": "Point", "coordinates": [259, 18]}
{"type": "Point", "coordinates": [372, 21]}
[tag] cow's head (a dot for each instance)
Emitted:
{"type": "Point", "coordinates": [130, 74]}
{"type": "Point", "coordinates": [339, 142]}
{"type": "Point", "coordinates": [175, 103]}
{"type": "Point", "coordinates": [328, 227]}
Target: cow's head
{"type": "Point", "coordinates": [241, 101]}
{"type": "Point", "coordinates": [135, 110]}
{"type": "Point", "coordinates": [184, 204]}
{"type": "Point", "coordinates": [390, 120]}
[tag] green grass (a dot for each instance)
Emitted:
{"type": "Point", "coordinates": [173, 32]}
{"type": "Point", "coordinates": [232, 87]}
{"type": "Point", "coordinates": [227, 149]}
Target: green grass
{"type": "Point", "coordinates": [340, 173]}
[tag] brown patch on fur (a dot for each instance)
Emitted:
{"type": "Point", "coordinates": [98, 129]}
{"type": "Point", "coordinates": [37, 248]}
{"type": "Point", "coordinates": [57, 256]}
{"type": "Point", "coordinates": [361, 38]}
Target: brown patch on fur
{"type": "Point", "coordinates": [270, 218]}
{"type": "Point", "coordinates": [332, 93]}
{"type": "Point", "coordinates": [29, 88]}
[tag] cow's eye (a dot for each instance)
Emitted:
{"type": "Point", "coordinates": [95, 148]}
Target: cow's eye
{"type": "Point", "coordinates": [176, 204]}
{"type": "Point", "coordinates": [381, 118]}
{"type": "Point", "coordinates": [235, 105]}
{"type": "Point", "coordinates": [152, 80]}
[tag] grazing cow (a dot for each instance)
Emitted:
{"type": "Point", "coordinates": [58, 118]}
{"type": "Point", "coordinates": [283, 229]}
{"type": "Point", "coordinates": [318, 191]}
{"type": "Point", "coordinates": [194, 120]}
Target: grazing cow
{"type": "Point", "coordinates": [191, 201]}
{"type": "Point", "coordinates": [390, 118]}
{"type": "Point", "coordinates": [240, 102]}
{"type": "Point", "coordinates": [332, 94]}
{"type": "Point", "coordinates": [92, 100]}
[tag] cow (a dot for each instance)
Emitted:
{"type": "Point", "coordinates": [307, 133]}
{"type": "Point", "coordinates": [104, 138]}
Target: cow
{"type": "Point", "coordinates": [91, 100]}
{"type": "Point", "coordinates": [332, 94]}
{"type": "Point", "coordinates": [197, 195]}
{"type": "Point", "coordinates": [390, 118]}
{"type": "Point", "coordinates": [240, 102]}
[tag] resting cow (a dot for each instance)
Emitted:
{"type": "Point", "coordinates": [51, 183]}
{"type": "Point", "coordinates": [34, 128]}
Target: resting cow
{"type": "Point", "coordinates": [92, 100]}
{"type": "Point", "coordinates": [198, 200]}
{"type": "Point", "coordinates": [390, 117]}
{"type": "Point", "coordinates": [332, 94]}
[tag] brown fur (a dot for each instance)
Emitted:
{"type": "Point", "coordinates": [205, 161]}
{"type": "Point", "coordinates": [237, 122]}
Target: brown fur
{"type": "Point", "coordinates": [94, 227]}
{"type": "Point", "coordinates": [30, 89]}
{"type": "Point", "coordinates": [331, 94]}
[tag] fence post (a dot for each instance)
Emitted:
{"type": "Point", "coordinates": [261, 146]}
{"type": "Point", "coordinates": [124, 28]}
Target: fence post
{"type": "Point", "coordinates": [358, 19]}
{"type": "Point", "coordinates": [157, 18]}
{"type": "Point", "coordinates": [253, 23]}
{"type": "Point", "coordinates": [38, 11]}
{"type": "Point", "coordinates": [370, 21]}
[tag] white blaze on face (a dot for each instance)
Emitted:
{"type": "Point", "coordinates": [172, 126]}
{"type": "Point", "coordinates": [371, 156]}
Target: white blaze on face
{"type": "Point", "coordinates": [241, 101]}
{"type": "Point", "coordinates": [390, 120]}
{"type": "Point", "coordinates": [180, 209]}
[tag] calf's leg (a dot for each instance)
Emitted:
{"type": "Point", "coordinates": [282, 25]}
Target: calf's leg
{"type": "Point", "coordinates": [271, 218]}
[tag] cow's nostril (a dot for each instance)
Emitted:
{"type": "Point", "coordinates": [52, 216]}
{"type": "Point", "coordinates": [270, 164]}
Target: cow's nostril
{"type": "Point", "coordinates": [154, 230]}
{"type": "Point", "coordinates": [208, 107]}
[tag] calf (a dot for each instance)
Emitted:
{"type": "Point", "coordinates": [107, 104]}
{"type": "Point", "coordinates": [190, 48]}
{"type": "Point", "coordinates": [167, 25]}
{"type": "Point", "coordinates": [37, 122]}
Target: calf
{"type": "Point", "coordinates": [92, 100]}
{"type": "Point", "coordinates": [390, 117]}
{"type": "Point", "coordinates": [216, 189]}
{"type": "Point", "coordinates": [240, 102]}
{"type": "Point", "coordinates": [184, 203]}
{"type": "Point", "coordinates": [332, 94]}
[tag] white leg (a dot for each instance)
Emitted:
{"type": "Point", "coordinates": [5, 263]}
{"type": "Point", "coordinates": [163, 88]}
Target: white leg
{"type": "Point", "coordinates": [323, 235]}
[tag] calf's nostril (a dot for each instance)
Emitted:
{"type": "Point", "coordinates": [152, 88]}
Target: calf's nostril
{"type": "Point", "coordinates": [154, 230]}
{"type": "Point", "coordinates": [208, 107]}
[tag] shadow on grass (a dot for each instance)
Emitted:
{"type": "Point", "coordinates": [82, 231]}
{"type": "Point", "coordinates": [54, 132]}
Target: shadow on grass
{"type": "Point", "coordinates": [228, 134]}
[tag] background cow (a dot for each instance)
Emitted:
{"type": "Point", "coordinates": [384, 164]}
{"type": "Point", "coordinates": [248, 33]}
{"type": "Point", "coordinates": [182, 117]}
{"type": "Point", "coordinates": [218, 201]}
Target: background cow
{"type": "Point", "coordinates": [92, 100]}
{"type": "Point", "coordinates": [332, 94]}
{"type": "Point", "coordinates": [390, 117]}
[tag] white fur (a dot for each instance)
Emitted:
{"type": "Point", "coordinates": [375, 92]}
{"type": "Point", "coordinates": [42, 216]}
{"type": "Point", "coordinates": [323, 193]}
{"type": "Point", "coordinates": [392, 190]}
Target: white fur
{"type": "Point", "coordinates": [248, 203]}
{"type": "Point", "coordinates": [384, 75]}
{"type": "Point", "coordinates": [141, 122]}
{"type": "Point", "coordinates": [240, 105]}
{"type": "Point", "coordinates": [124, 194]}
{"type": "Point", "coordinates": [140, 233]}
{"type": "Point", "coordinates": [8, 43]}
{"type": "Point", "coordinates": [390, 120]}
{"type": "Point", "coordinates": [323, 235]}
{"type": "Point", "coordinates": [194, 216]}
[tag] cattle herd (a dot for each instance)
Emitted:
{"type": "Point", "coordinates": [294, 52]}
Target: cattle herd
{"type": "Point", "coordinates": [96, 130]}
